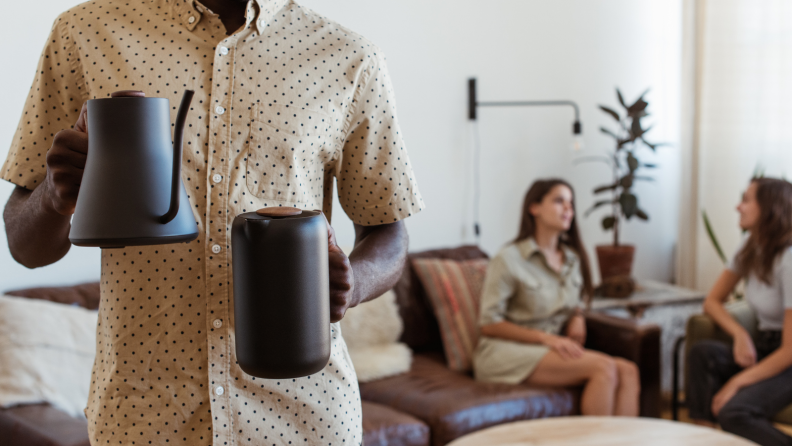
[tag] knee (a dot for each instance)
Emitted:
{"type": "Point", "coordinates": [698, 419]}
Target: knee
{"type": "Point", "coordinates": [606, 369]}
{"type": "Point", "coordinates": [732, 417]}
{"type": "Point", "coordinates": [628, 372]}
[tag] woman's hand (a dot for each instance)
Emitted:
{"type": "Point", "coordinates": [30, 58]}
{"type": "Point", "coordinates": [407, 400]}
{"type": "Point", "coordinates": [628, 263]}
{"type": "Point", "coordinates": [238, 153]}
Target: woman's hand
{"type": "Point", "coordinates": [724, 395]}
{"type": "Point", "coordinates": [744, 350]}
{"type": "Point", "coordinates": [576, 329]}
{"type": "Point", "coordinates": [565, 347]}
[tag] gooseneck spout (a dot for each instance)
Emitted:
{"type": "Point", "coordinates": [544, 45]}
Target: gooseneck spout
{"type": "Point", "coordinates": [178, 132]}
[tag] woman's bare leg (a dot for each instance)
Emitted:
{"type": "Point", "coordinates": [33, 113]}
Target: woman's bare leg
{"type": "Point", "coordinates": [597, 372]}
{"type": "Point", "coordinates": [629, 391]}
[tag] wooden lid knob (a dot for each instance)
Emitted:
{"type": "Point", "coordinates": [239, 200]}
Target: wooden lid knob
{"type": "Point", "coordinates": [279, 212]}
{"type": "Point", "coordinates": [128, 94]}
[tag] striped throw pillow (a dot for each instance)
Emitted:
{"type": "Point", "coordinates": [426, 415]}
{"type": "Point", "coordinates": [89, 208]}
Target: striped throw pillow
{"type": "Point", "coordinates": [454, 288]}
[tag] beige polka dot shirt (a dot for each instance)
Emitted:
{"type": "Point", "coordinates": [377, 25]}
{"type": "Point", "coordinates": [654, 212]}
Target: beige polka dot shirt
{"type": "Point", "coordinates": [282, 107]}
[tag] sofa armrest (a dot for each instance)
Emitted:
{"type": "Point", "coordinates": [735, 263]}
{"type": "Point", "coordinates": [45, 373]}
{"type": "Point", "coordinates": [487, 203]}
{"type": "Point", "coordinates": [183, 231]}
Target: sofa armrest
{"type": "Point", "coordinates": [640, 343]}
{"type": "Point", "coordinates": [41, 425]}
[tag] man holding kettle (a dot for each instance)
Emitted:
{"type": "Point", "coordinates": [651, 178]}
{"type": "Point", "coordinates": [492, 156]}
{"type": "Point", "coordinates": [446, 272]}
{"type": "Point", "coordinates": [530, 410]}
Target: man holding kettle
{"type": "Point", "coordinates": [165, 370]}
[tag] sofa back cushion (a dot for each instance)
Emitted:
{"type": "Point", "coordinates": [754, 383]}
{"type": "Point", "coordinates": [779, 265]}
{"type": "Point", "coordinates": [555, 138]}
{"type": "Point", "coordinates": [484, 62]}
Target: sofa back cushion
{"type": "Point", "coordinates": [421, 331]}
{"type": "Point", "coordinates": [454, 288]}
{"type": "Point", "coordinates": [85, 295]}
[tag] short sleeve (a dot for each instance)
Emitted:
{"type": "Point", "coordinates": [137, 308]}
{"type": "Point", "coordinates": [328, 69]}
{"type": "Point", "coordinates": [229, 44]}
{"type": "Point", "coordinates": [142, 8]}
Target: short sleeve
{"type": "Point", "coordinates": [376, 184]}
{"type": "Point", "coordinates": [785, 271]}
{"type": "Point", "coordinates": [53, 104]}
{"type": "Point", "coordinates": [499, 287]}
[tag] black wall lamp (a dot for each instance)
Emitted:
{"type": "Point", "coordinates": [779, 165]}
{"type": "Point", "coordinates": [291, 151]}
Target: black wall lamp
{"type": "Point", "coordinates": [474, 103]}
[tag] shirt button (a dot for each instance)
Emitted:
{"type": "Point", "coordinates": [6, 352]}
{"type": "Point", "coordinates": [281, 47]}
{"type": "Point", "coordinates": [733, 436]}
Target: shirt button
{"type": "Point", "coordinates": [216, 249]}
{"type": "Point", "coordinates": [219, 390]}
{"type": "Point", "coordinates": [191, 19]}
{"type": "Point", "coordinates": [219, 110]}
{"type": "Point", "coordinates": [217, 323]}
{"type": "Point", "coordinates": [217, 178]}
{"type": "Point", "coordinates": [261, 23]}
{"type": "Point", "coordinates": [223, 50]}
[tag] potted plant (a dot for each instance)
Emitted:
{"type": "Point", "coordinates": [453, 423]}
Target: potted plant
{"type": "Point", "coordinates": [615, 260]}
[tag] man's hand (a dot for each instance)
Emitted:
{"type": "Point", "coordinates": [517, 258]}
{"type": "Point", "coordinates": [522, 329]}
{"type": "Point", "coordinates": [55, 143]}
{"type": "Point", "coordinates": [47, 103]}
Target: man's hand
{"type": "Point", "coordinates": [342, 278]}
{"type": "Point", "coordinates": [37, 222]}
{"type": "Point", "coordinates": [65, 165]}
{"type": "Point", "coordinates": [576, 329]}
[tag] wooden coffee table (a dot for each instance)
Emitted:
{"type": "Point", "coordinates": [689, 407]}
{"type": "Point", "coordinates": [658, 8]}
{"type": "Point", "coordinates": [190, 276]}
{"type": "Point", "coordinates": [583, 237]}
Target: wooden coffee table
{"type": "Point", "coordinates": [599, 431]}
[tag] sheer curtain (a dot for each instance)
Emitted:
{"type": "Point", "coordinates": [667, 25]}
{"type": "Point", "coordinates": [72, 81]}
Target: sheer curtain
{"type": "Point", "coordinates": [737, 119]}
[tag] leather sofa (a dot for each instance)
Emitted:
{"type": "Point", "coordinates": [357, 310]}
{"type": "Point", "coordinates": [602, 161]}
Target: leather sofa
{"type": "Point", "coordinates": [428, 405]}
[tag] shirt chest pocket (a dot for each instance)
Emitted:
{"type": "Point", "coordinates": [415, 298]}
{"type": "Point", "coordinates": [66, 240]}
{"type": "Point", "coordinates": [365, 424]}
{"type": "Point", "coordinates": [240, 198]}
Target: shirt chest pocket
{"type": "Point", "coordinates": [288, 150]}
{"type": "Point", "coordinates": [532, 294]}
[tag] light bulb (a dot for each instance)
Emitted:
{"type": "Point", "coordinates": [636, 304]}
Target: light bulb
{"type": "Point", "coordinates": [577, 145]}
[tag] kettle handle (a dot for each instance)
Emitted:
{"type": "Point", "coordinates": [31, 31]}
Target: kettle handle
{"type": "Point", "coordinates": [178, 132]}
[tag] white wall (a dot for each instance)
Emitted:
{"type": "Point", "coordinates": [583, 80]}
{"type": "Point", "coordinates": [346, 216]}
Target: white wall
{"type": "Point", "coordinates": [518, 50]}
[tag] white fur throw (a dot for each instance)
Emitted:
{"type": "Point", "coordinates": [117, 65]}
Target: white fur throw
{"type": "Point", "coordinates": [371, 331]}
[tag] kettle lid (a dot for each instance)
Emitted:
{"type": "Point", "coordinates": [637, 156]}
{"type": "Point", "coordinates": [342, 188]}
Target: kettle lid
{"type": "Point", "coordinates": [128, 94]}
{"type": "Point", "coordinates": [279, 211]}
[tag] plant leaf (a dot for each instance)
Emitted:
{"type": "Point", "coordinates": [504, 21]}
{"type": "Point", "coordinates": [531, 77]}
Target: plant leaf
{"type": "Point", "coordinates": [610, 112]}
{"type": "Point", "coordinates": [712, 237]}
{"type": "Point", "coordinates": [649, 166]}
{"type": "Point", "coordinates": [628, 203]}
{"type": "Point", "coordinates": [632, 162]}
{"type": "Point", "coordinates": [621, 99]}
{"type": "Point", "coordinates": [641, 214]}
{"type": "Point", "coordinates": [626, 181]}
{"type": "Point", "coordinates": [608, 222]}
{"type": "Point", "coordinates": [608, 187]}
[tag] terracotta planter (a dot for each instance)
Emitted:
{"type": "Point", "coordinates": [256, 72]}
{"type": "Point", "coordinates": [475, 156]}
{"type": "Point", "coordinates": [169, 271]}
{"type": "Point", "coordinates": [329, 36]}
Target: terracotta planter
{"type": "Point", "coordinates": [615, 261]}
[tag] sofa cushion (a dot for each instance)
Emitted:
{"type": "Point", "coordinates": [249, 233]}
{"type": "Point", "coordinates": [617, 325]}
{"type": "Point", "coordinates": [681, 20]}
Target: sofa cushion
{"type": "Point", "coordinates": [384, 426]}
{"type": "Point", "coordinates": [454, 404]}
{"type": "Point", "coordinates": [421, 332]}
{"type": "Point", "coordinates": [454, 288]}
{"type": "Point", "coordinates": [41, 425]}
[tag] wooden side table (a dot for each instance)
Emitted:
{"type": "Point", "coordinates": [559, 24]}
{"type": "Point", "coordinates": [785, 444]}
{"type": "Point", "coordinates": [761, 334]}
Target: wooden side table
{"type": "Point", "coordinates": [599, 431]}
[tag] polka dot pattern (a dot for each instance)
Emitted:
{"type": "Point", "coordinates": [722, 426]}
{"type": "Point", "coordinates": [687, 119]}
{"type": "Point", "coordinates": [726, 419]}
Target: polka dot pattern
{"type": "Point", "coordinates": [283, 107]}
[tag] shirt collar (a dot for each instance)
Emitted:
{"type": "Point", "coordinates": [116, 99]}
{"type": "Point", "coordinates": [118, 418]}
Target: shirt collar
{"type": "Point", "coordinates": [528, 248]}
{"type": "Point", "coordinates": [263, 12]}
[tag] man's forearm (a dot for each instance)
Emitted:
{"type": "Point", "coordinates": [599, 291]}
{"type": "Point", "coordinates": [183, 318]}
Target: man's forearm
{"type": "Point", "coordinates": [37, 234]}
{"type": "Point", "coordinates": [378, 259]}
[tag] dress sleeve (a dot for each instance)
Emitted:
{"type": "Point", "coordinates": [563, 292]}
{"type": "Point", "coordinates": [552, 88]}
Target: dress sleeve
{"type": "Point", "coordinates": [376, 184]}
{"type": "Point", "coordinates": [53, 104]}
{"type": "Point", "coordinates": [499, 287]}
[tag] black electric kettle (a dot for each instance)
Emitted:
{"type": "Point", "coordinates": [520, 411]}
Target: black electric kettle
{"type": "Point", "coordinates": [281, 292]}
{"type": "Point", "coordinates": [131, 188]}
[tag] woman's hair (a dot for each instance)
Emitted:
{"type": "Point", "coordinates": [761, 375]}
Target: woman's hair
{"type": "Point", "coordinates": [536, 193]}
{"type": "Point", "coordinates": [773, 232]}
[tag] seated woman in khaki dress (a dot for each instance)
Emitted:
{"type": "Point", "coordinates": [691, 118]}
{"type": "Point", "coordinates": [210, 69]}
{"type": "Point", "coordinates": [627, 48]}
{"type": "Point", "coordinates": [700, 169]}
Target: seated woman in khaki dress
{"type": "Point", "coordinates": [532, 325]}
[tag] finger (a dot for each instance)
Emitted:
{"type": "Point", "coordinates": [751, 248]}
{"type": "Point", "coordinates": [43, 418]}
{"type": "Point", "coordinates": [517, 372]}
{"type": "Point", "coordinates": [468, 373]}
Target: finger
{"type": "Point", "coordinates": [72, 139]}
{"type": "Point", "coordinates": [331, 237]}
{"type": "Point", "coordinates": [82, 121]}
